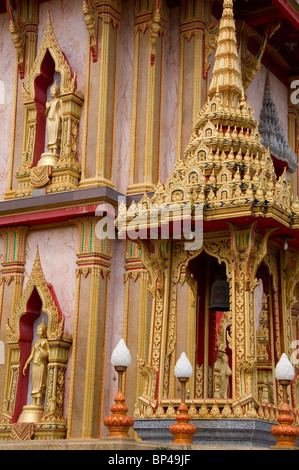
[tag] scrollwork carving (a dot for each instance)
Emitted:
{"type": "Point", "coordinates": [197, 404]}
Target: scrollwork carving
{"type": "Point", "coordinates": [56, 320]}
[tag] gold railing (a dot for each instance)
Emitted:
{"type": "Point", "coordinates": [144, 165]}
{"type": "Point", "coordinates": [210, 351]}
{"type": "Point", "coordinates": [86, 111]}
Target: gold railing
{"type": "Point", "coordinates": [246, 408]}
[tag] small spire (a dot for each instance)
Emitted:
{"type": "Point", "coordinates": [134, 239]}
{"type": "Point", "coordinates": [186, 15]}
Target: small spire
{"type": "Point", "coordinates": [227, 74]}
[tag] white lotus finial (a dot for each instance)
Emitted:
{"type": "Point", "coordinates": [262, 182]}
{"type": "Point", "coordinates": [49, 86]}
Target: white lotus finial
{"type": "Point", "coordinates": [284, 369]}
{"type": "Point", "coordinates": [121, 356]}
{"type": "Point", "coordinates": [183, 368]}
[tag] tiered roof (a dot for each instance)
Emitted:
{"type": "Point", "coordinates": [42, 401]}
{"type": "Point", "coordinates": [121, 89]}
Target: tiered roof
{"type": "Point", "coordinates": [225, 166]}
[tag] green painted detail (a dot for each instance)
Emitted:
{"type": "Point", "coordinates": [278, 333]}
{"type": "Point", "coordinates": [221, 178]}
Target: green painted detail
{"type": "Point", "coordinates": [91, 236]}
{"type": "Point", "coordinates": [7, 243]}
{"type": "Point", "coordinates": [83, 237]}
{"type": "Point", "coordinates": [15, 247]}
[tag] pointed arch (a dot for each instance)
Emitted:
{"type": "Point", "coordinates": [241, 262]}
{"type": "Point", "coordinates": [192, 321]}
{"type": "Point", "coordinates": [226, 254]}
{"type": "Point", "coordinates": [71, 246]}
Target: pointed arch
{"type": "Point", "coordinates": [49, 45]}
{"type": "Point", "coordinates": [37, 284]}
{"type": "Point", "coordinates": [50, 61]}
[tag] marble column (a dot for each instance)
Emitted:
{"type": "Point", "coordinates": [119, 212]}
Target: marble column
{"type": "Point", "coordinates": [195, 21]}
{"type": "Point", "coordinates": [24, 36]}
{"type": "Point", "coordinates": [89, 339]}
{"type": "Point", "coordinates": [103, 23]}
{"type": "Point", "coordinates": [136, 320]}
{"type": "Point", "coordinates": [147, 95]}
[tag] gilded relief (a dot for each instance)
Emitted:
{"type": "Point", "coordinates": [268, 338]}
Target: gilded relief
{"type": "Point", "coordinates": [57, 168]}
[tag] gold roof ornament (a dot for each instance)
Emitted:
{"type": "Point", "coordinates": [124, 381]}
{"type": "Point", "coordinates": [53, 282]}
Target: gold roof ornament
{"type": "Point", "coordinates": [227, 74]}
{"type": "Point", "coordinates": [225, 168]}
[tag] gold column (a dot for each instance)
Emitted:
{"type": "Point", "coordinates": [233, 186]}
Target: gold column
{"type": "Point", "coordinates": [287, 298]}
{"type": "Point", "coordinates": [11, 282]}
{"type": "Point", "coordinates": [242, 247]}
{"type": "Point", "coordinates": [24, 28]}
{"type": "Point", "coordinates": [157, 260]}
{"type": "Point", "coordinates": [89, 341]}
{"type": "Point", "coordinates": [136, 320]}
{"type": "Point", "coordinates": [147, 95]}
{"type": "Point", "coordinates": [100, 92]}
{"type": "Point", "coordinates": [29, 16]}
{"type": "Point", "coordinates": [194, 19]}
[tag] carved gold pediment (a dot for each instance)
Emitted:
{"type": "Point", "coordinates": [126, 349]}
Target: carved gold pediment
{"type": "Point", "coordinates": [50, 45]}
{"type": "Point", "coordinates": [63, 172]}
{"type": "Point", "coordinates": [50, 305]}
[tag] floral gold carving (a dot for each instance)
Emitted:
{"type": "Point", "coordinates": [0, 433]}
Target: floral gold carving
{"type": "Point", "coordinates": [38, 281]}
{"type": "Point", "coordinates": [91, 19]}
{"type": "Point", "coordinates": [65, 171]}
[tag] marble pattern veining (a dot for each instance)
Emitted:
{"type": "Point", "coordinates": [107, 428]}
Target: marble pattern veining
{"type": "Point", "coordinates": [6, 98]}
{"type": "Point", "coordinates": [114, 321]}
{"type": "Point", "coordinates": [123, 117]}
{"type": "Point", "coordinates": [279, 92]}
{"type": "Point", "coordinates": [57, 249]}
{"type": "Point", "coordinates": [170, 95]}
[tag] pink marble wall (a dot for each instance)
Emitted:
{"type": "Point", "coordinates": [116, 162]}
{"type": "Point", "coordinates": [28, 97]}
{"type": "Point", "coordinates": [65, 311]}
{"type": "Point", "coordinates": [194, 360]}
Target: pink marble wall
{"type": "Point", "coordinates": [57, 249]}
{"type": "Point", "coordinates": [170, 94]}
{"type": "Point", "coordinates": [7, 67]}
{"type": "Point", "coordinates": [255, 94]}
{"type": "Point", "coordinates": [123, 118]}
{"type": "Point", "coordinates": [115, 314]}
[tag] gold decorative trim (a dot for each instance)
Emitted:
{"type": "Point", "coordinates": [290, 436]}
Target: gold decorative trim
{"type": "Point", "coordinates": [49, 43]}
{"type": "Point", "coordinates": [36, 281]}
{"type": "Point", "coordinates": [91, 19]}
{"type": "Point", "coordinates": [66, 171]}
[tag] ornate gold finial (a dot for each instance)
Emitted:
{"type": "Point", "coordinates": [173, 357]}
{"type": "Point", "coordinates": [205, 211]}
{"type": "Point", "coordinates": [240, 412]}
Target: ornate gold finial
{"type": "Point", "coordinates": [48, 18]}
{"type": "Point", "coordinates": [228, 4]}
{"type": "Point", "coordinates": [227, 74]}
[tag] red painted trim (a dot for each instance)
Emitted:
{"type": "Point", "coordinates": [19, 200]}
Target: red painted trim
{"type": "Point", "coordinates": [42, 82]}
{"type": "Point", "coordinates": [27, 320]}
{"type": "Point", "coordinates": [288, 12]}
{"type": "Point", "coordinates": [48, 217]}
{"type": "Point", "coordinates": [264, 19]}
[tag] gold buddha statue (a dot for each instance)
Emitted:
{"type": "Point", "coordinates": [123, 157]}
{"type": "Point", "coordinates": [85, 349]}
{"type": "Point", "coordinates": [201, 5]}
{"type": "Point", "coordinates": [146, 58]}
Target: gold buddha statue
{"type": "Point", "coordinates": [39, 372]}
{"type": "Point", "coordinates": [53, 114]}
{"type": "Point", "coordinates": [53, 127]}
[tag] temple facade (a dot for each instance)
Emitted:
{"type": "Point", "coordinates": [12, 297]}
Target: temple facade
{"type": "Point", "coordinates": [149, 192]}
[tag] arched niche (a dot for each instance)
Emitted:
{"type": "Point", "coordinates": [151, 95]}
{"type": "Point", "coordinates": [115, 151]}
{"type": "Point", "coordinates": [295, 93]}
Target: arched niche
{"type": "Point", "coordinates": [41, 85]}
{"type": "Point", "coordinates": [63, 174]}
{"type": "Point", "coordinates": [38, 297]}
{"type": "Point", "coordinates": [212, 328]}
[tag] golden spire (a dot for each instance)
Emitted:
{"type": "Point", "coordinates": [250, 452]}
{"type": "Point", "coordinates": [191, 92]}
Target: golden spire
{"type": "Point", "coordinates": [225, 167]}
{"type": "Point", "coordinates": [227, 75]}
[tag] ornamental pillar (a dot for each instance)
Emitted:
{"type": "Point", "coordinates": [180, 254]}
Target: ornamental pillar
{"type": "Point", "coordinates": [136, 320]}
{"type": "Point", "coordinates": [11, 283]}
{"type": "Point", "coordinates": [197, 39]}
{"type": "Point", "coordinates": [242, 247]}
{"type": "Point", "coordinates": [147, 95]}
{"type": "Point", "coordinates": [29, 17]}
{"type": "Point", "coordinates": [89, 343]}
{"type": "Point", "coordinates": [289, 277]}
{"type": "Point", "coordinates": [155, 256]}
{"type": "Point", "coordinates": [103, 21]}
{"type": "Point", "coordinates": [24, 29]}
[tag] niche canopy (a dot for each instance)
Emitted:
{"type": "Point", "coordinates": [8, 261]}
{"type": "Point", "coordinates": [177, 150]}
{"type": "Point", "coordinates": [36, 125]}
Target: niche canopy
{"type": "Point", "coordinates": [65, 173]}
